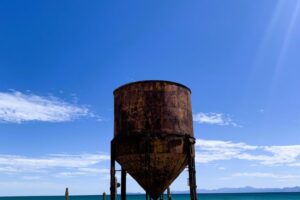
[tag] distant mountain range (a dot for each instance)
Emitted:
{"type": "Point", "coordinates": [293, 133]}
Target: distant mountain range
{"type": "Point", "coordinates": [244, 190]}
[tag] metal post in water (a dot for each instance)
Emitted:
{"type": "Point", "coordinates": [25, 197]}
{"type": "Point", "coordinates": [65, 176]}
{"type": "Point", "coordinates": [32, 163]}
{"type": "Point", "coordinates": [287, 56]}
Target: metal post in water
{"type": "Point", "coordinates": [112, 172]}
{"type": "Point", "coordinates": [161, 197]}
{"type": "Point", "coordinates": [123, 184]}
{"type": "Point", "coordinates": [169, 194]}
{"type": "Point", "coordinates": [191, 164]}
{"type": "Point", "coordinates": [104, 196]}
{"type": "Point", "coordinates": [67, 194]}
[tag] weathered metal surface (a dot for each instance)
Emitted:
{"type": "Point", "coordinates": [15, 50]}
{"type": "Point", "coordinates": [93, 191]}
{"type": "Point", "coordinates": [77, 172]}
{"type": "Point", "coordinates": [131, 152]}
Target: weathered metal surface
{"type": "Point", "coordinates": [153, 120]}
{"type": "Point", "coordinates": [153, 107]}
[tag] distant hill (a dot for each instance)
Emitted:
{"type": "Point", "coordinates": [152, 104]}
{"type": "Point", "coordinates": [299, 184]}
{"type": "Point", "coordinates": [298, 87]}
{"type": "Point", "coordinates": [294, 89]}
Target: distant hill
{"type": "Point", "coordinates": [245, 190]}
{"type": "Point", "coordinates": [251, 190]}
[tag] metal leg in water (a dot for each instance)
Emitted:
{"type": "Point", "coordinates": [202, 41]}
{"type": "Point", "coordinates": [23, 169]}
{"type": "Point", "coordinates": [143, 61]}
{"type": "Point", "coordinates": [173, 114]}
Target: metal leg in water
{"type": "Point", "coordinates": [169, 194]}
{"type": "Point", "coordinates": [123, 184]}
{"type": "Point", "coordinates": [112, 172]}
{"type": "Point", "coordinates": [191, 165]}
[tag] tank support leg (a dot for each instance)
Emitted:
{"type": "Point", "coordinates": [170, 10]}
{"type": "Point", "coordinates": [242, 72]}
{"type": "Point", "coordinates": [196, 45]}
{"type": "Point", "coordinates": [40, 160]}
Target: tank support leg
{"type": "Point", "coordinates": [123, 184]}
{"type": "Point", "coordinates": [112, 171]}
{"type": "Point", "coordinates": [169, 194]}
{"type": "Point", "coordinates": [191, 165]}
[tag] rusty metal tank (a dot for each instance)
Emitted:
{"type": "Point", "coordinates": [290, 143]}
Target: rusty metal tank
{"type": "Point", "coordinates": [152, 123]}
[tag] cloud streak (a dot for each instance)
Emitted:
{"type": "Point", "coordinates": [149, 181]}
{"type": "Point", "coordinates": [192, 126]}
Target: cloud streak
{"type": "Point", "coordinates": [84, 172]}
{"type": "Point", "coordinates": [84, 163]}
{"type": "Point", "coordinates": [213, 119]}
{"type": "Point", "coordinates": [215, 150]}
{"type": "Point", "coordinates": [17, 107]}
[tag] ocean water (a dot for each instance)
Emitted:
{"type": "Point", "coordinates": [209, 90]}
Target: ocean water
{"type": "Point", "coordinates": [244, 196]}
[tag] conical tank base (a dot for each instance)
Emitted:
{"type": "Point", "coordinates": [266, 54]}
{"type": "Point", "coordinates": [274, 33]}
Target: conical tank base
{"type": "Point", "coordinates": [163, 169]}
{"type": "Point", "coordinates": [154, 162]}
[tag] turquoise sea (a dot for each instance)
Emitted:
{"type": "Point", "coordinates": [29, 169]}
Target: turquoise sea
{"type": "Point", "coordinates": [243, 196]}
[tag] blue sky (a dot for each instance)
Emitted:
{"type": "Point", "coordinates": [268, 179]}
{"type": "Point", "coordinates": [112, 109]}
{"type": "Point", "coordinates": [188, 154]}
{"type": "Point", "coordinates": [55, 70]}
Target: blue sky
{"type": "Point", "coordinates": [61, 60]}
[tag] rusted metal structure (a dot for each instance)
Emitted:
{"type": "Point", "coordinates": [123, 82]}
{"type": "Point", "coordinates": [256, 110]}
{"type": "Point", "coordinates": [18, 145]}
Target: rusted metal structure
{"type": "Point", "coordinates": [153, 136]}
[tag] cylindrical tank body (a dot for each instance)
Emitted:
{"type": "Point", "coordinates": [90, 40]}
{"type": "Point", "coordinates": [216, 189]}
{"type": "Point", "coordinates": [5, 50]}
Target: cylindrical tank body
{"type": "Point", "coordinates": [153, 120]}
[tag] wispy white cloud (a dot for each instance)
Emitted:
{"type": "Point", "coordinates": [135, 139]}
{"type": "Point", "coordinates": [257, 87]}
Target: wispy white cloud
{"type": "Point", "coordinates": [94, 170]}
{"type": "Point", "coordinates": [81, 163]}
{"type": "Point", "coordinates": [31, 178]}
{"type": "Point", "coordinates": [84, 172]}
{"type": "Point", "coordinates": [214, 119]}
{"type": "Point", "coordinates": [70, 174]}
{"type": "Point", "coordinates": [211, 150]}
{"type": "Point", "coordinates": [17, 107]}
{"type": "Point", "coordinates": [283, 154]}
{"type": "Point", "coordinates": [8, 169]}
{"type": "Point", "coordinates": [296, 164]}
{"type": "Point", "coordinates": [214, 150]}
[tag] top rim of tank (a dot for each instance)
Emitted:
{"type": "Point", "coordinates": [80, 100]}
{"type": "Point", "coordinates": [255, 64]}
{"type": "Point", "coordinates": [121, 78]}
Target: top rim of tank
{"type": "Point", "coordinates": [154, 81]}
